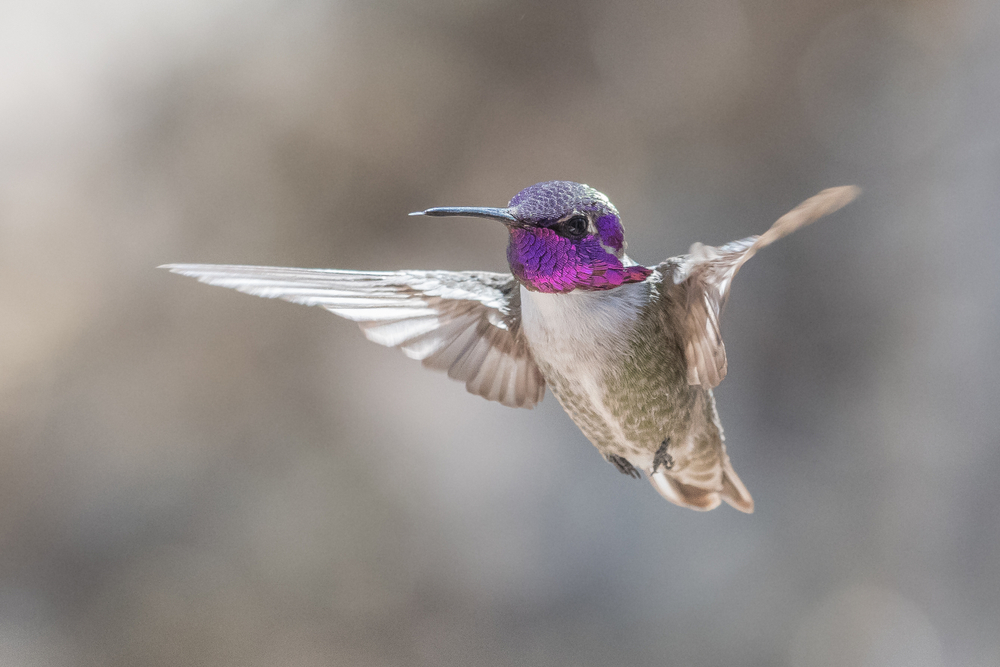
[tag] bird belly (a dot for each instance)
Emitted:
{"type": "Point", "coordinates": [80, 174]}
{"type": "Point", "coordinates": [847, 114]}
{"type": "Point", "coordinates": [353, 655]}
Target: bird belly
{"type": "Point", "coordinates": [615, 372]}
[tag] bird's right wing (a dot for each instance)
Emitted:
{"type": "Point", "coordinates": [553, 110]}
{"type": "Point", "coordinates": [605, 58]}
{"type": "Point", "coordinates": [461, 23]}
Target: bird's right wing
{"type": "Point", "coordinates": [467, 323]}
{"type": "Point", "coordinates": [700, 282]}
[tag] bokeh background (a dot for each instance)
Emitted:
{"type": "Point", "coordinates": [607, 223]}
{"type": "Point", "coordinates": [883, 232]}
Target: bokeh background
{"type": "Point", "coordinates": [191, 476]}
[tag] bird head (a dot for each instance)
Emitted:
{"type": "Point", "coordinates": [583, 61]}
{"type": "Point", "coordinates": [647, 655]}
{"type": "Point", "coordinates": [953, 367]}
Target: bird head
{"type": "Point", "coordinates": [563, 236]}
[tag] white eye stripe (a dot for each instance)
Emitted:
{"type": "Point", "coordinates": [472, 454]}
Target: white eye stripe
{"type": "Point", "coordinates": [611, 251]}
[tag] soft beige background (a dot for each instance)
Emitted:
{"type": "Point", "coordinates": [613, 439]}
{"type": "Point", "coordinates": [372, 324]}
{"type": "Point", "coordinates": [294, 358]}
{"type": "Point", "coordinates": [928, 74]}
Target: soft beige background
{"type": "Point", "coordinates": [190, 476]}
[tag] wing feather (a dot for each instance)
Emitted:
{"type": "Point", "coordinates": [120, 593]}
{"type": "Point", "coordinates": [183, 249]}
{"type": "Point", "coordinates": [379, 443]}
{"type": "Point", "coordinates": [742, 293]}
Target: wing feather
{"type": "Point", "coordinates": [702, 279]}
{"type": "Point", "coordinates": [465, 323]}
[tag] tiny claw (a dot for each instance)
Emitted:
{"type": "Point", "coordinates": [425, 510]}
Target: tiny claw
{"type": "Point", "coordinates": [624, 466]}
{"type": "Point", "coordinates": [661, 458]}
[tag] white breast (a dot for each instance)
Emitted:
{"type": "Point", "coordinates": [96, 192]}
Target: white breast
{"type": "Point", "coordinates": [594, 321]}
{"type": "Point", "coordinates": [580, 334]}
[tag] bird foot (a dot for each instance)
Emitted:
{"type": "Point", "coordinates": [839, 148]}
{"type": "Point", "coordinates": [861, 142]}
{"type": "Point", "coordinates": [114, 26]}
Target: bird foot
{"type": "Point", "coordinates": [661, 458]}
{"type": "Point", "coordinates": [623, 466]}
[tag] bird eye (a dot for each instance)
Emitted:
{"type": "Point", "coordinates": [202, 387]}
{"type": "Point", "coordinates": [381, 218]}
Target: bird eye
{"type": "Point", "coordinates": [575, 227]}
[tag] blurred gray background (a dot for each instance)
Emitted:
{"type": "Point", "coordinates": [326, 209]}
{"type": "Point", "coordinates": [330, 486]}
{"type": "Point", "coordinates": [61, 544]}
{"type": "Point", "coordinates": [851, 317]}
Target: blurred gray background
{"type": "Point", "coordinates": [191, 476]}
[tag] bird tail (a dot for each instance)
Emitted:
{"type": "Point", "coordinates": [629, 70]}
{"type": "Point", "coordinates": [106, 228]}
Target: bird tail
{"type": "Point", "coordinates": [707, 495]}
{"type": "Point", "coordinates": [733, 491]}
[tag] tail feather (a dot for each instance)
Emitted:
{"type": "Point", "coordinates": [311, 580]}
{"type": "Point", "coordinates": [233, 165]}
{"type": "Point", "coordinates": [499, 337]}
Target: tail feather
{"type": "Point", "coordinates": [729, 488]}
{"type": "Point", "coordinates": [733, 491]}
{"type": "Point", "coordinates": [684, 495]}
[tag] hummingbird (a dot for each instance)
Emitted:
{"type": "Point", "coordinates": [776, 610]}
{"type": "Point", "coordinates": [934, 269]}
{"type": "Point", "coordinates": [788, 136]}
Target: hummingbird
{"type": "Point", "coordinates": [631, 352]}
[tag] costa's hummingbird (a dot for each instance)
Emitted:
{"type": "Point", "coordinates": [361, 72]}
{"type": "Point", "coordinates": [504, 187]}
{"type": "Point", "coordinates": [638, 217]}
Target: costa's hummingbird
{"type": "Point", "coordinates": [631, 352]}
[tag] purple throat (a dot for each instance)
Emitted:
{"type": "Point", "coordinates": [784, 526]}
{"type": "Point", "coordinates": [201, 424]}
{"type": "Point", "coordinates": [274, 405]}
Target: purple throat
{"type": "Point", "coordinates": [543, 261]}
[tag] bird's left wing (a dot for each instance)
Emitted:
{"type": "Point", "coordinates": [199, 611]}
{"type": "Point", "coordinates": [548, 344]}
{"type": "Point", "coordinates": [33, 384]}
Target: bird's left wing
{"type": "Point", "coordinates": [700, 282]}
{"type": "Point", "coordinates": [465, 323]}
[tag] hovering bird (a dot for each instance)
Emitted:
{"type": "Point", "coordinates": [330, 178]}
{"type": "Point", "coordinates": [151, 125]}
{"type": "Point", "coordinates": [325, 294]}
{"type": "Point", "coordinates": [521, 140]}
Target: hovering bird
{"type": "Point", "coordinates": [631, 352]}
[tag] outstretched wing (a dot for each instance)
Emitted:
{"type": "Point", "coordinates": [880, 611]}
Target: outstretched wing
{"type": "Point", "coordinates": [465, 323]}
{"type": "Point", "coordinates": [703, 278]}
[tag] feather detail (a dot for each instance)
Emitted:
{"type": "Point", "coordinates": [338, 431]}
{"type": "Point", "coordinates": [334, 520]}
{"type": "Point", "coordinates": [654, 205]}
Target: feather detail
{"type": "Point", "coordinates": [705, 275]}
{"type": "Point", "coordinates": [467, 324]}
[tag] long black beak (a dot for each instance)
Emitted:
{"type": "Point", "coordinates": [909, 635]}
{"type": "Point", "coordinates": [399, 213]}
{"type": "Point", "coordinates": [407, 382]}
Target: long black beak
{"type": "Point", "coordinates": [504, 215]}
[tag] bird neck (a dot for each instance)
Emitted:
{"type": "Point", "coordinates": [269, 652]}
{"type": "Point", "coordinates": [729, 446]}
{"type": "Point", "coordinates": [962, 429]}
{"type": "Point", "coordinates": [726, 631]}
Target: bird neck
{"type": "Point", "coordinates": [543, 261]}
